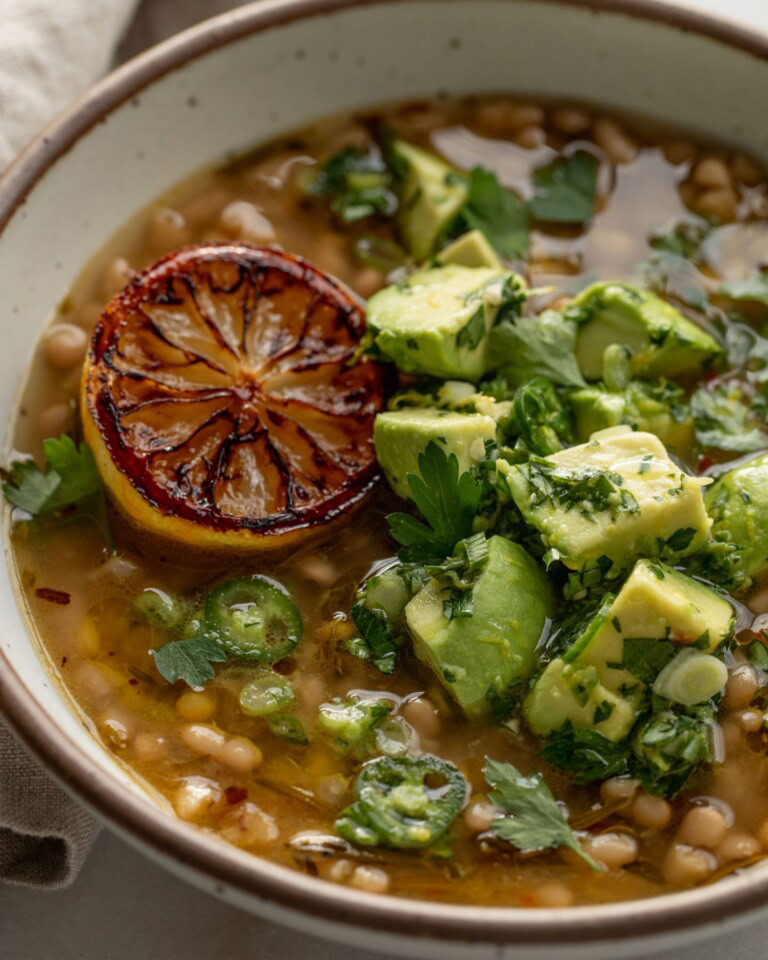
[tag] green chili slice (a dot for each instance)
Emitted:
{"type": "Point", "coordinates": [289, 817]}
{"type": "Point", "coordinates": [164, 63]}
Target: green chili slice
{"type": "Point", "coordinates": [253, 618]}
{"type": "Point", "coordinates": [266, 694]}
{"type": "Point", "coordinates": [403, 802]}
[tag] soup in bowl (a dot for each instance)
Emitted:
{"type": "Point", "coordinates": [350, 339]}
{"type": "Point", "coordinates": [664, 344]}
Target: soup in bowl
{"type": "Point", "coordinates": [389, 499]}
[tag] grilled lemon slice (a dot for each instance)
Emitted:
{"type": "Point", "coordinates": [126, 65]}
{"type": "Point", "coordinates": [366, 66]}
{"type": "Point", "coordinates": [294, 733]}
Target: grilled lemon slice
{"type": "Point", "coordinates": [220, 403]}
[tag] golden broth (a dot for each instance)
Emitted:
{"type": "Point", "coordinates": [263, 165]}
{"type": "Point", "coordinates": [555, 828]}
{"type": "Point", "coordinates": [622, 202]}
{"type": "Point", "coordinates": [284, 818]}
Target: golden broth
{"type": "Point", "coordinates": [238, 779]}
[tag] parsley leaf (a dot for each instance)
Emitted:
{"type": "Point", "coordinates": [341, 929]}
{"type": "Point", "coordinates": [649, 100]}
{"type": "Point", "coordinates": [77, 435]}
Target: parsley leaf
{"type": "Point", "coordinates": [447, 501]}
{"type": "Point", "coordinates": [668, 749]}
{"type": "Point", "coordinates": [189, 659]}
{"type": "Point", "coordinates": [534, 821]}
{"type": "Point", "coordinates": [499, 213]}
{"type": "Point", "coordinates": [542, 345]}
{"type": "Point", "coordinates": [721, 420]}
{"type": "Point", "coordinates": [377, 636]}
{"type": "Point", "coordinates": [586, 754]}
{"type": "Point", "coordinates": [565, 189]}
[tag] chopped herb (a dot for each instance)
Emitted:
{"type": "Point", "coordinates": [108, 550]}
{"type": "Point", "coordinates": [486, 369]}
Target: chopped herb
{"type": "Point", "coordinates": [680, 539]}
{"type": "Point", "coordinates": [499, 213]}
{"type": "Point", "coordinates": [586, 754]}
{"type": "Point", "coordinates": [533, 820]}
{"type": "Point", "coordinates": [683, 237]}
{"type": "Point", "coordinates": [542, 417]}
{"type": "Point", "coordinates": [668, 748]}
{"type": "Point", "coordinates": [472, 333]}
{"type": "Point", "coordinates": [565, 189]}
{"type": "Point", "coordinates": [377, 636]}
{"type": "Point", "coordinates": [616, 624]}
{"type": "Point", "coordinates": [645, 658]}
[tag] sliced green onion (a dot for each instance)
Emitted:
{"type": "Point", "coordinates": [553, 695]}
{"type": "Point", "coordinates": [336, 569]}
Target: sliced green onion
{"type": "Point", "coordinates": [691, 678]}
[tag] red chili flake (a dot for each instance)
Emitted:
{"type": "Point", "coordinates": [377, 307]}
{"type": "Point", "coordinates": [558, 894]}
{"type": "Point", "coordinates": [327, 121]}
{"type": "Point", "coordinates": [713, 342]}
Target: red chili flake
{"type": "Point", "coordinates": [704, 464]}
{"type": "Point", "coordinates": [133, 681]}
{"type": "Point", "coordinates": [236, 794]}
{"type": "Point", "coordinates": [63, 661]}
{"type": "Point", "coordinates": [711, 375]}
{"type": "Point", "coordinates": [110, 653]}
{"type": "Point", "coordinates": [53, 596]}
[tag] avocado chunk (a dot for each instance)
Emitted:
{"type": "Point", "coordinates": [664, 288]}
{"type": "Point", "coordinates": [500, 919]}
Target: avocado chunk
{"type": "Point", "coordinates": [471, 249]}
{"type": "Point", "coordinates": [599, 682]}
{"type": "Point", "coordinates": [431, 194]}
{"type": "Point", "coordinates": [437, 321]}
{"type": "Point", "coordinates": [478, 656]}
{"type": "Point", "coordinates": [738, 504]}
{"type": "Point", "coordinates": [601, 505]}
{"type": "Point", "coordinates": [650, 406]}
{"type": "Point", "coordinates": [663, 342]}
{"type": "Point", "coordinates": [401, 435]}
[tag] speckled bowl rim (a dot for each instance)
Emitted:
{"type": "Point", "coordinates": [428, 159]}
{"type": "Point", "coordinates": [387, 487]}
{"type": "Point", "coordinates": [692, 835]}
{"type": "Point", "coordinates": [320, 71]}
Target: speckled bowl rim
{"type": "Point", "coordinates": [232, 870]}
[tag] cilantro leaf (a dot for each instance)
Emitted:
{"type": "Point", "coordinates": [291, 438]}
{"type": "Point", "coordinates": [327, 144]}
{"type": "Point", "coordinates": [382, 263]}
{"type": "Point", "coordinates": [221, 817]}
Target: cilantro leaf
{"type": "Point", "coordinates": [71, 476]}
{"type": "Point", "coordinates": [377, 636]}
{"type": "Point", "coordinates": [447, 501]}
{"type": "Point", "coordinates": [542, 345]}
{"type": "Point", "coordinates": [189, 659]}
{"type": "Point", "coordinates": [721, 420]}
{"type": "Point", "coordinates": [682, 237]}
{"type": "Point", "coordinates": [534, 821]}
{"type": "Point", "coordinates": [754, 288]}
{"type": "Point", "coordinates": [499, 213]}
{"type": "Point", "coordinates": [645, 658]}
{"type": "Point", "coordinates": [586, 754]}
{"type": "Point", "coordinates": [565, 189]}
{"type": "Point", "coordinates": [76, 469]}
{"type": "Point", "coordinates": [669, 748]}
{"type": "Point", "coordinates": [29, 488]}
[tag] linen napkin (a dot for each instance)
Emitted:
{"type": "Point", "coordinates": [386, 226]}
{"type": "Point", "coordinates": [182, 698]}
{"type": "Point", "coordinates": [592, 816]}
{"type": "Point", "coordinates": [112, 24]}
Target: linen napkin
{"type": "Point", "coordinates": [50, 52]}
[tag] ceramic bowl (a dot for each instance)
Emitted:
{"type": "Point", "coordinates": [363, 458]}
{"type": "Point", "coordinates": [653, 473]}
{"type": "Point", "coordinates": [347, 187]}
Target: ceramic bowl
{"type": "Point", "coordinates": [218, 89]}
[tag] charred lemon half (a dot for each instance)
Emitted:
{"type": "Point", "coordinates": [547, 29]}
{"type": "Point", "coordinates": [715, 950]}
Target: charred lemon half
{"type": "Point", "coordinates": [220, 403]}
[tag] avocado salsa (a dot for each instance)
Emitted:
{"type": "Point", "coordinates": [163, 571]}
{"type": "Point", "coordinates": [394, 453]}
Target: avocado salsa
{"type": "Point", "coordinates": [531, 668]}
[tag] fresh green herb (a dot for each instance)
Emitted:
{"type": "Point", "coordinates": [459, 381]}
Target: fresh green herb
{"type": "Point", "coordinates": [668, 748]}
{"type": "Point", "coordinates": [542, 345]}
{"type": "Point", "coordinates": [682, 237]}
{"type": "Point", "coordinates": [533, 819]}
{"type": "Point", "coordinates": [448, 501]}
{"type": "Point", "coordinates": [70, 479]}
{"type": "Point", "coordinates": [757, 651]}
{"type": "Point", "coordinates": [357, 182]}
{"type": "Point", "coordinates": [542, 417]}
{"type": "Point", "coordinates": [377, 636]}
{"type": "Point", "coordinates": [189, 659]}
{"type": "Point", "coordinates": [586, 754]}
{"type": "Point", "coordinates": [680, 540]}
{"type": "Point", "coordinates": [565, 189]}
{"type": "Point", "coordinates": [472, 333]}
{"type": "Point", "coordinates": [723, 421]}
{"type": "Point", "coordinates": [403, 802]}
{"type": "Point", "coordinates": [499, 213]}
{"type": "Point", "coordinates": [645, 658]}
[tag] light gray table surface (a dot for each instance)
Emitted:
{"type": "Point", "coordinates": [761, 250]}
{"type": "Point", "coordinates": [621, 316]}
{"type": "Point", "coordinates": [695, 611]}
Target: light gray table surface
{"type": "Point", "coordinates": [124, 907]}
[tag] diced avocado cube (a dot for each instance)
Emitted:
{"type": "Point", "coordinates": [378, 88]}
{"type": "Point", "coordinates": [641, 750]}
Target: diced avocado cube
{"type": "Point", "coordinates": [431, 194]}
{"type": "Point", "coordinates": [471, 249]}
{"type": "Point", "coordinates": [437, 321]}
{"type": "Point", "coordinates": [641, 405]}
{"type": "Point", "coordinates": [573, 692]}
{"type": "Point", "coordinates": [601, 505]}
{"type": "Point", "coordinates": [738, 504]}
{"type": "Point", "coordinates": [591, 685]}
{"type": "Point", "coordinates": [401, 435]}
{"type": "Point", "coordinates": [477, 657]}
{"type": "Point", "coordinates": [663, 342]}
